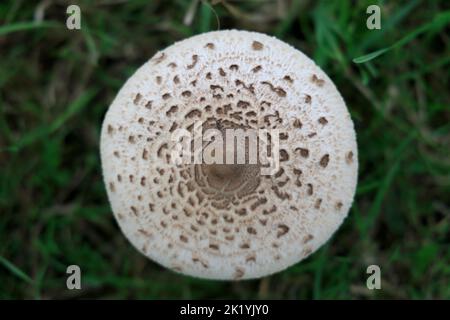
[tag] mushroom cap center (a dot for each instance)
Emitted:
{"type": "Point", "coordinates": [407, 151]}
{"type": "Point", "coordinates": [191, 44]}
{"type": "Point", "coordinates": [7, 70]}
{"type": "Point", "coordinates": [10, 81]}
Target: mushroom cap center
{"type": "Point", "coordinates": [224, 171]}
{"type": "Point", "coordinates": [228, 181]}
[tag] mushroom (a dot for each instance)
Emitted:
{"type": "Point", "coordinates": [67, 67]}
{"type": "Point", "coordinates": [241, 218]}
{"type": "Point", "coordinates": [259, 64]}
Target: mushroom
{"type": "Point", "coordinates": [228, 220]}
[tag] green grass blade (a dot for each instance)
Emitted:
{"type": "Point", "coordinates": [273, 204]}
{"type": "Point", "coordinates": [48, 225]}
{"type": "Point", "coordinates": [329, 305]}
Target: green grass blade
{"type": "Point", "coordinates": [42, 131]}
{"type": "Point", "coordinates": [394, 20]}
{"type": "Point", "coordinates": [375, 209]}
{"type": "Point", "coordinates": [75, 107]}
{"type": "Point", "coordinates": [440, 21]}
{"type": "Point", "coordinates": [205, 17]}
{"type": "Point", "coordinates": [25, 26]}
{"type": "Point", "coordinates": [286, 23]}
{"type": "Point", "coordinates": [371, 55]}
{"type": "Point", "coordinates": [318, 275]}
{"type": "Point", "coordinates": [15, 270]}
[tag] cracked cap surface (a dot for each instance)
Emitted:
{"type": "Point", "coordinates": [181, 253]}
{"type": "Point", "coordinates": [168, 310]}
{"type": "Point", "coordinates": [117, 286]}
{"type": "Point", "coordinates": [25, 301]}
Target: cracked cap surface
{"type": "Point", "coordinates": [217, 221]}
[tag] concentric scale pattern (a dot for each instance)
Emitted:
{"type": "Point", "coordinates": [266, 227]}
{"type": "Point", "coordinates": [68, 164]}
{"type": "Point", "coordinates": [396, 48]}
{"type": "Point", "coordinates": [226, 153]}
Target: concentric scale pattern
{"type": "Point", "coordinates": [229, 221]}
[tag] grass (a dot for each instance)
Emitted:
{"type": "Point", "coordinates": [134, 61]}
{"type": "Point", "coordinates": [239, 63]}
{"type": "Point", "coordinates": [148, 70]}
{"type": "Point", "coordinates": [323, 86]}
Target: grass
{"type": "Point", "coordinates": [55, 87]}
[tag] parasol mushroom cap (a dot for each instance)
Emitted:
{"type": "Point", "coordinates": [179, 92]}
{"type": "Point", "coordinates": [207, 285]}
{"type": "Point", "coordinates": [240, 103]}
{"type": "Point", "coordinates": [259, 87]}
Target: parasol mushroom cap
{"type": "Point", "coordinates": [222, 221]}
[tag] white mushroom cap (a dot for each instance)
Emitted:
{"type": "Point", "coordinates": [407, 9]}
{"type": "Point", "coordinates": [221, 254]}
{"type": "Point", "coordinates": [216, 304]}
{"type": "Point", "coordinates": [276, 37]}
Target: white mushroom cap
{"type": "Point", "coordinates": [229, 224]}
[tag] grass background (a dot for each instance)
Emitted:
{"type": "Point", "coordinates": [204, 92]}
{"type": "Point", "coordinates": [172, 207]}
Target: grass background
{"type": "Point", "coordinates": [56, 85]}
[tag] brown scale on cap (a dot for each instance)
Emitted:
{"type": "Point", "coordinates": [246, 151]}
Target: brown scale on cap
{"type": "Point", "coordinates": [229, 221]}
